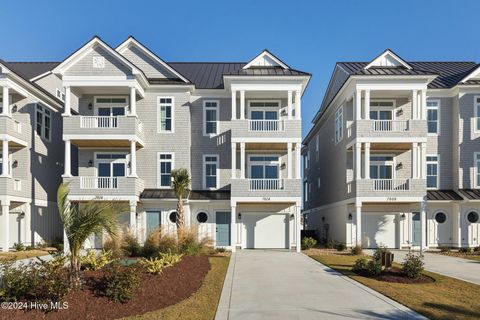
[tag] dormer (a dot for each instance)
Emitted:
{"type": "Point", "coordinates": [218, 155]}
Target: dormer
{"type": "Point", "coordinates": [264, 60]}
{"type": "Point", "coordinates": [388, 59]}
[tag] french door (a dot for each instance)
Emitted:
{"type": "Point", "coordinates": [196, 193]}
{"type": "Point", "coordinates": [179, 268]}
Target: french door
{"type": "Point", "coordinates": [109, 167]}
{"type": "Point", "coordinates": [264, 172]}
{"type": "Point", "coordinates": [107, 109]}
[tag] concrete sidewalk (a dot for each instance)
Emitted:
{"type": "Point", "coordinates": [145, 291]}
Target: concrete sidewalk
{"type": "Point", "coordinates": [268, 284]}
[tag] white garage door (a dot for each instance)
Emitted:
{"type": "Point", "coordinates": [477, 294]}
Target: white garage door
{"type": "Point", "coordinates": [268, 231]}
{"type": "Point", "coordinates": [378, 229]}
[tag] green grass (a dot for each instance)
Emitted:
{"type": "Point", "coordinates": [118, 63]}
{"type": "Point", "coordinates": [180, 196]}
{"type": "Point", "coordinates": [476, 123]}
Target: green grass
{"type": "Point", "coordinates": [446, 298]}
{"type": "Point", "coordinates": [19, 255]}
{"type": "Point", "coordinates": [202, 305]}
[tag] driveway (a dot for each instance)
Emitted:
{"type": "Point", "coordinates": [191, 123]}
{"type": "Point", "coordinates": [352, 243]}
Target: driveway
{"type": "Point", "coordinates": [463, 269]}
{"type": "Point", "coordinates": [268, 284]}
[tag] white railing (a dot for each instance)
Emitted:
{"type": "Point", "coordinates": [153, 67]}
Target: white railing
{"type": "Point", "coordinates": [98, 122]}
{"type": "Point", "coordinates": [391, 184]}
{"type": "Point", "coordinates": [99, 182]}
{"type": "Point", "coordinates": [390, 125]}
{"type": "Point", "coordinates": [265, 125]}
{"type": "Point", "coordinates": [266, 184]}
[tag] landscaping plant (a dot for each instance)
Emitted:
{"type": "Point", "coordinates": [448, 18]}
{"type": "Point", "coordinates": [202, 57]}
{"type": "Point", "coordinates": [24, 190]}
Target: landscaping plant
{"type": "Point", "coordinates": [153, 265]}
{"type": "Point", "coordinates": [180, 185]}
{"type": "Point", "coordinates": [465, 250]}
{"type": "Point", "coordinates": [188, 243]}
{"type": "Point", "coordinates": [360, 265]}
{"type": "Point", "coordinates": [131, 246]}
{"type": "Point", "coordinates": [413, 265]}
{"type": "Point", "coordinates": [357, 250]}
{"type": "Point", "coordinates": [308, 243]}
{"type": "Point", "coordinates": [119, 283]}
{"type": "Point", "coordinates": [18, 247]}
{"type": "Point", "coordinates": [444, 249]}
{"type": "Point", "coordinates": [95, 261]}
{"type": "Point", "coordinates": [341, 246]}
{"type": "Point", "coordinates": [377, 255]}
{"type": "Point", "coordinates": [374, 268]}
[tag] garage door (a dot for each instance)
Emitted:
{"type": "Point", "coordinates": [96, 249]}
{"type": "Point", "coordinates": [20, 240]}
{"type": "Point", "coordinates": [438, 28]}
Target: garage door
{"type": "Point", "coordinates": [268, 231]}
{"type": "Point", "coordinates": [378, 229]}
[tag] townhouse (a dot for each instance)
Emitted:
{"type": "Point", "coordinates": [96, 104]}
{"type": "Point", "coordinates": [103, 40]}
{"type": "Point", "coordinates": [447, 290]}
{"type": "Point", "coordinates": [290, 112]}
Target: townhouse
{"type": "Point", "coordinates": [129, 118]}
{"type": "Point", "coordinates": [393, 158]}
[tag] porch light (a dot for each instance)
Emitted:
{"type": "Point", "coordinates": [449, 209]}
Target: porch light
{"type": "Point", "coordinates": [90, 163]}
{"type": "Point", "coordinates": [90, 106]}
{"type": "Point", "coordinates": [15, 164]}
{"type": "Point", "coordinates": [22, 214]}
{"type": "Point", "coordinates": [399, 166]}
{"type": "Point", "coordinates": [403, 216]}
{"type": "Point", "coordinates": [399, 112]}
{"type": "Point", "coordinates": [239, 216]}
{"type": "Point", "coordinates": [350, 217]}
{"type": "Point", "coordinates": [14, 108]}
{"type": "Point", "coordinates": [129, 164]}
{"type": "Point", "coordinates": [323, 219]}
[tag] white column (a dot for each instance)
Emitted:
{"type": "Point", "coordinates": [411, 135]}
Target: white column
{"type": "Point", "coordinates": [242, 104]}
{"type": "Point", "coordinates": [358, 221]}
{"type": "Point", "coordinates": [5, 227]}
{"type": "Point", "coordinates": [187, 214]}
{"type": "Point", "coordinates": [133, 158]}
{"type": "Point", "coordinates": [242, 160]}
{"type": "Point", "coordinates": [68, 108]}
{"type": "Point", "coordinates": [6, 101]}
{"type": "Point", "coordinates": [233, 228]}
{"type": "Point", "coordinates": [298, 104]}
{"type": "Point", "coordinates": [423, 224]}
{"type": "Point", "coordinates": [423, 105]}
{"type": "Point", "coordinates": [133, 219]}
{"type": "Point", "coordinates": [414, 104]}
{"type": "Point", "coordinates": [133, 102]}
{"type": "Point", "coordinates": [358, 161]}
{"type": "Point", "coordinates": [68, 161]}
{"type": "Point", "coordinates": [423, 160]}
{"type": "Point", "coordinates": [298, 222]}
{"type": "Point", "coordinates": [367, 160]}
{"type": "Point", "coordinates": [289, 104]}
{"type": "Point", "coordinates": [414, 161]}
{"type": "Point", "coordinates": [456, 225]}
{"type": "Point", "coordinates": [5, 161]}
{"type": "Point", "coordinates": [234, 160]}
{"type": "Point", "coordinates": [298, 160]}
{"type": "Point", "coordinates": [367, 104]}
{"type": "Point", "coordinates": [234, 105]}
{"type": "Point", "coordinates": [289, 160]}
{"type": "Point", "coordinates": [358, 104]}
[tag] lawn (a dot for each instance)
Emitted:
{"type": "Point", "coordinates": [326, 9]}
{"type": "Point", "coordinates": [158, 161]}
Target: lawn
{"type": "Point", "coordinates": [446, 298]}
{"type": "Point", "coordinates": [19, 255]}
{"type": "Point", "coordinates": [202, 305]}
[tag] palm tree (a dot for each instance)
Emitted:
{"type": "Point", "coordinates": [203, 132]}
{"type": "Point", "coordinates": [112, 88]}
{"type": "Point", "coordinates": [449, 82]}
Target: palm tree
{"type": "Point", "coordinates": [180, 185]}
{"type": "Point", "coordinates": [82, 221]}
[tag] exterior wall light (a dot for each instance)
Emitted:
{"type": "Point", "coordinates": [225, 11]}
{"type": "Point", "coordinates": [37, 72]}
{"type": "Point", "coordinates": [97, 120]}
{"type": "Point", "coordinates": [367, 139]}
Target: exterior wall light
{"type": "Point", "coordinates": [350, 217]}
{"type": "Point", "coordinates": [90, 106]}
{"type": "Point", "coordinates": [90, 163]}
{"type": "Point", "coordinates": [239, 216]}
{"type": "Point", "coordinates": [15, 164]}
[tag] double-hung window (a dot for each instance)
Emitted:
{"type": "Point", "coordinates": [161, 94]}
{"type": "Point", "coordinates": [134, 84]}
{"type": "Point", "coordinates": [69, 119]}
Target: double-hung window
{"type": "Point", "coordinates": [165, 166]}
{"type": "Point", "coordinates": [165, 114]}
{"type": "Point", "coordinates": [210, 165]}
{"type": "Point", "coordinates": [210, 116]}
{"type": "Point", "coordinates": [339, 124]}
{"type": "Point", "coordinates": [433, 116]}
{"type": "Point", "coordinates": [60, 95]}
{"type": "Point", "coordinates": [477, 169]}
{"type": "Point", "coordinates": [432, 171]}
{"type": "Point", "coordinates": [477, 113]}
{"type": "Point", "coordinates": [44, 122]}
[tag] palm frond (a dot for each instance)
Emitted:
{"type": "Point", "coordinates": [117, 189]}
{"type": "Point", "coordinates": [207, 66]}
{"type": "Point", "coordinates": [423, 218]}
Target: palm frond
{"type": "Point", "coordinates": [180, 182]}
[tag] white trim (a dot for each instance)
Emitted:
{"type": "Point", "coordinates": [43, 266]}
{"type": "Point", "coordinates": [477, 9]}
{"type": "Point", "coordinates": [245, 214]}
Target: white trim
{"type": "Point", "coordinates": [42, 110]}
{"type": "Point", "coordinates": [471, 75]}
{"type": "Point", "coordinates": [437, 107]}
{"type": "Point", "coordinates": [383, 108]}
{"type": "Point", "coordinates": [96, 103]}
{"type": "Point", "coordinates": [250, 108]}
{"type": "Point", "coordinates": [434, 214]}
{"type": "Point", "coordinates": [338, 113]}
{"type": "Point", "coordinates": [60, 94]}
{"type": "Point", "coordinates": [438, 170]}
{"type": "Point", "coordinates": [392, 162]}
{"type": "Point", "coordinates": [268, 54]}
{"type": "Point", "coordinates": [204, 171]}
{"type": "Point", "coordinates": [169, 212]}
{"type": "Point", "coordinates": [476, 160]}
{"type": "Point", "coordinates": [249, 162]}
{"type": "Point", "coordinates": [217, 118]}
{"type": "Point", "coordinates": [393, 55]}
{"type": "Point", "coordinates": [204, 211]}
{"type": "Point", "coordinates": [125, 161]}
{"type": "Point", "coordinates": [172, 160]}
{"type": "Point", "coordinates": [172, 114]}
{"type": "Point", "coordinates": [476, 105]}
{"type": "Point", "coordinates": [266, 140]}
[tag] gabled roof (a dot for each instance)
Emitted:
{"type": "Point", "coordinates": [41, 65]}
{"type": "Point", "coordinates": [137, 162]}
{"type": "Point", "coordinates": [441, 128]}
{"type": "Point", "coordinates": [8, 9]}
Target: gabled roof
{"type": "Point", "coordinates": [472, 76]}
{"type": "Point", "coordinates": [131, 41]}
{"type": "Point", "coordinates": [31, 70]}
{"type": "Point", "coordinates": [266, 59]}
{"type": "Point", "coordinates": [388, 58]}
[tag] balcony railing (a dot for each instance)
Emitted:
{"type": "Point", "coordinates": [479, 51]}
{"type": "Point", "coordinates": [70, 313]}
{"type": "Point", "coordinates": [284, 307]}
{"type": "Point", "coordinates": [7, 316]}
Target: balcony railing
{"type": "Point", "coordinates": [265, 125]}
{"type": "Point", "coordinates": [390, 125]}
{"type": "Point", "coordinates": [98, 122]}
{"type": "Point", "coordinates": [266, 184]}
{"type": "Point", "coordinates": [390, 184]}
{"type": "Point", "coordinates": [99, 182]}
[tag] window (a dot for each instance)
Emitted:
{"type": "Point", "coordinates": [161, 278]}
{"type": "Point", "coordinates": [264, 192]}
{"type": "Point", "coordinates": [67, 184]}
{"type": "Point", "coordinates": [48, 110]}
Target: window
{"type": "Point", "coordinates": [440, 217]}
{"type": "Point", "coordinates": [339, 125]}
{"type": "Point", "coordinates": [477, 169]}
{"type": "Point", "coordinates": [43, 119]}
{"type": "Point", "coordinates": [432, 172]}
{"type": "Point", "coordinates": [305, 190]}
{"type": "Point", "coordinates": [110, 106]}
{"type": "Point", "coordinates": [317, 146]}
{"type": "Point", "coordinates": [472, 217]}
{"type": "Point", "coordinates": [381, 167]}
{"type": "Point", "coordinates": [173, 217]}
{"type": "Point", "coordinates": [477, 113]}
{"type": "Point", "coordinates": [264, 110]}
{"type": "Point", "coordinates": [433, 116]}
{"type": "Point", "coordinates": [305, 161]}
{"type": "Point", "coordinates": [318, 182]}
{"type": "Point", "coordinates": [210, 116]}
{"type": "Point", "coordinates": [165, 114]}
{"type": "Point", "coordinates": [210, 173]}
{"type": "Point", "coordinates": [381, 110]}
{"type": "Point", "coordinates": [60, 95]}
{"type": "Point", "coordinates": [108, 167]}
{"type": "Point", "coordinates": [264, 167]}
{"type": "Point", "coordinates": [165, 169]}
{"type": "Point", "coordinates": [202, 217]}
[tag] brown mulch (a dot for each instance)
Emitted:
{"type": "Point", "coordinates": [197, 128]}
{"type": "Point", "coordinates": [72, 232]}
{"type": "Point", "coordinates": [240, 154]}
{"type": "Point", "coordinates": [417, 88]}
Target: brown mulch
{"type": "Point", "coordinates": [397, 276]}
{"type": "Point", "coordinates": [155, 292]}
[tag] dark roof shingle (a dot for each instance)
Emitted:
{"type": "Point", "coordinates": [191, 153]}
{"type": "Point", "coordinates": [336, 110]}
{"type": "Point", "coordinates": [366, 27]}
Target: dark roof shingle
{"type": "Point", "coordinates": [31, 70]}
{"type": "Point", "coordinates": [443, 195]}
{"type": "Point", "coordinates": [194, 194]}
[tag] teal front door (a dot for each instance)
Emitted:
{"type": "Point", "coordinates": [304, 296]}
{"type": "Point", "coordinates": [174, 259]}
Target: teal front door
{"type": "Point", "coordinates": [416, 229]}
{"type": "Point", "coordinates": [223, 221]}
{"type": "Point", "coordinates": [153, 221]}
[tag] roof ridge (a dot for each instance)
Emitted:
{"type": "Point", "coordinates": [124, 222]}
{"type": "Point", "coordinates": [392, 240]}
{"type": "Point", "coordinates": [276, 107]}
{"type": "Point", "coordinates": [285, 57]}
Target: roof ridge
{"type": "Point", "coordinates": [415, 62]}
{"type": "Point", "coordinates": [32, 62]}
{"type": "Point", "coordinates": [211, 62]}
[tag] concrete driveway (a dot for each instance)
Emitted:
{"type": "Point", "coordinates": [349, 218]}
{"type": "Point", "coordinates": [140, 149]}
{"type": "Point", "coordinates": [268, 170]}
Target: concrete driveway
{"type": "Point", "coordinates": [268, 284]}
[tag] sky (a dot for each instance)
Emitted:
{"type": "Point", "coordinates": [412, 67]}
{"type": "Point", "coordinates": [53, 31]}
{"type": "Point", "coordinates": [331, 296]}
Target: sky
{"type": "Point", "coordinates": [308, 35]}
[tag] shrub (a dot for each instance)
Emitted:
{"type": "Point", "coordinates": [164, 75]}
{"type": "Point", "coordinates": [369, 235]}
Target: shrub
{"type": "Point", "coordinates": [341, 246]}
{"type": "Point", "coordinates": [308, 243]}
{"type": "Point", "coordinates": [330, 244]}
{"type": "Point", "coordinates": [374, 267]}
{"type": "Point", "coordinates": [357, 250]}
{"type": "Point", "coordinates": [360, 265]}
{"type": "Point", "coordinates": [131, 246]}
{"type": "Point", "coordinates": [377, 255]}
{"type": "Point", "coordinates": [17, 282]}
{"type": "Point", "coordinates": [413, 264]}
{"type": "Point", "coordinates": [476, 249]}
{"type": "Point", "coordinates": [188, 243]}
{"type": "Point", "coordinates": [220, 250]}
{"type": "Point", "coordinates": [153, 265]}
{"type": "Point", "coordinates": [53, 284]}
{"type": "Point", "coordinates": [18, 247]}
{"type": "Point", "coordinates": [465, 250]}
{"type": "Point", "coordinates": [59, 259]}
{"type": "Point", "coordinates": [169, 259]}
{"type": "Point", "coordinates": [119, 283]}
{"type": "Point", "coordinates": [94, 261]}
{"type": "Point", "coordinates": [444, 249]}
{"type": "Point", "coordinates": [114, 245]}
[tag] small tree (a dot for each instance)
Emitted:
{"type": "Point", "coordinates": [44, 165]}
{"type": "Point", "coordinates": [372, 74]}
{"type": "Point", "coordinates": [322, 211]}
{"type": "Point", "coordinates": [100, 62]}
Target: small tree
{"type": "Point", "coordinates": [82, 221]}
{"type": "Point", "coordinates": [180, 185]}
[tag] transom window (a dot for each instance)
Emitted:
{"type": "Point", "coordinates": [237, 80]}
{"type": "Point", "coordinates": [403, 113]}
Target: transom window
{"type": "Point", "coordinates": [44, 123]}
{"type": "Point", "coordinates": [210, 116]}
{"type": "Point", "coordinates": [165, 114]}
{"type": "Point", "coordinates": [433, 116]}
{"type": "Point", "coordinates": [381, 167]}
{"type": "Point", "coordinates": [210, 163]}
{"type": "Point", "coordinates": [264, 167]}
{"type": "Point", "coordinates": [165, 161]}
{"type": "Point", "coordinates": [432, 171]}
{"type": "Point", "coordinates": [264, 110]}
{"type": "Point", "coordinates": [339, 124]}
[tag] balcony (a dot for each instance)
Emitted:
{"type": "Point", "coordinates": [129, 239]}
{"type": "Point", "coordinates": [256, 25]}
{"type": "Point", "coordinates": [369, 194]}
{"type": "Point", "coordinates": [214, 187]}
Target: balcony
{"type": "Point", "coordinates": [404, 129]}
{"type": "Point", "coordinates": [14, 187]}
{"type": "Point", "coordinates": [247, 128]}
{"type": "Point", "coordinates": [266, 188]}
{"type": "Point", "coordinates": [20, 134]}
{"type": "Point", "coordinates": [103, 131]}
{"type": "Point", "coordinates": [265, 184]}
{"type": "Point", "coordinates": [388, 188]}
{"type": "Point", "coordinates": [100, 187]}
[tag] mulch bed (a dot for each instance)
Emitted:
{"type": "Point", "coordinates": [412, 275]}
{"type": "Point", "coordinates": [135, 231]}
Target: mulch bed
{"type": "Point", "coordinates": [155, 292]}
{"type": "Point", "coordinates": [396, 275]}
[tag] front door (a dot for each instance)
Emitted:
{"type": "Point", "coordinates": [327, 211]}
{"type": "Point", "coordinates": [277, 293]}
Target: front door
{"type": "Point", "coordinates": [416, 229]}
{"type": "Point", "coordinates": [153, 221]}
{"type": "Point", "coordinates": [223, 221]}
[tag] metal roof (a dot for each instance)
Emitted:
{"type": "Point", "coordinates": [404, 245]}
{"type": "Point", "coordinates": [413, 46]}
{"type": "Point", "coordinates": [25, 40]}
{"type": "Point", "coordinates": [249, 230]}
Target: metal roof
{"type": "Point", "coordinates": [31, 70]}
{"type": "Point", "coordinates": [470, 194]}
{"type": "Point", "coordinates": [443, 195]}
{"type": "Point", "coordinates": [194, 194]}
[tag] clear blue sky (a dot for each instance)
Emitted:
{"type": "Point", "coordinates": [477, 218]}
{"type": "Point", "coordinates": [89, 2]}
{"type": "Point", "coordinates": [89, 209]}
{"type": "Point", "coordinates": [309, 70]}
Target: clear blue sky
{"type": "Point", "coordinates": [308, 35]}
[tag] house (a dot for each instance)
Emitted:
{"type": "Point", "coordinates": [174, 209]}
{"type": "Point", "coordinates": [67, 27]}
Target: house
{"type": "Point", "coordinates": [130, 118]}
{"type": "Point", "coordinates": [31, 154]}
{"type": "Point", "coordinates": [393, 158]}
